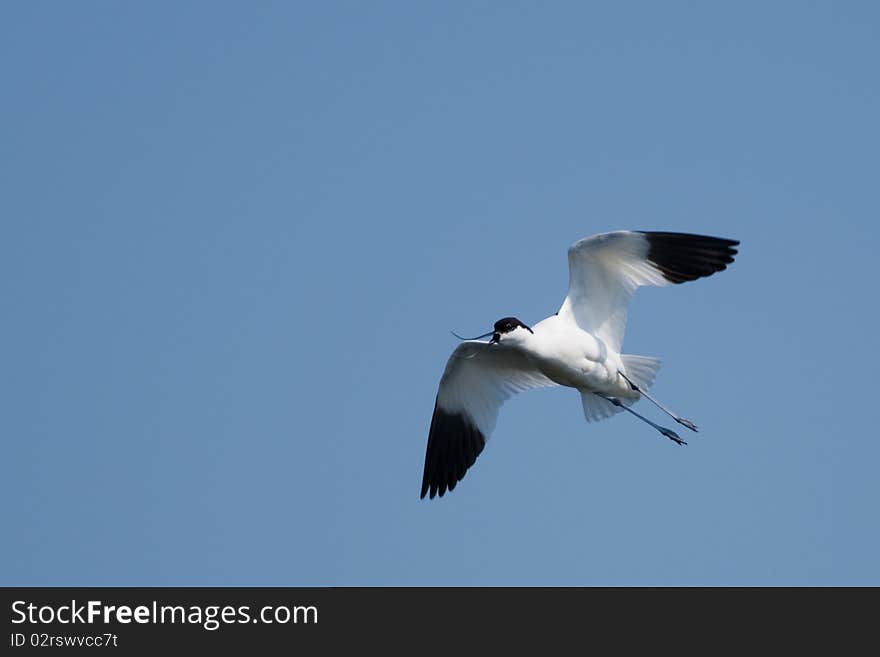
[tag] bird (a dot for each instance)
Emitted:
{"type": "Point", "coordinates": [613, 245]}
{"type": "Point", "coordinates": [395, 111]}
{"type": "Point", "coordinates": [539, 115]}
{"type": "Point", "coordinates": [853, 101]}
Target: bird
{"type": "Point", "coordinates": [577, 347]}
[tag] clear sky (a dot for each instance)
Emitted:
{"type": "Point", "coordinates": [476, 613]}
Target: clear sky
{"type": "Point", "coordinates": [235, 237]}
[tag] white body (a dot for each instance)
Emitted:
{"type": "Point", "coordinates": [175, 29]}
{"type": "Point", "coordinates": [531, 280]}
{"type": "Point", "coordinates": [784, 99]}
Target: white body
{"type": "Point", "coordinates": [570, 356]}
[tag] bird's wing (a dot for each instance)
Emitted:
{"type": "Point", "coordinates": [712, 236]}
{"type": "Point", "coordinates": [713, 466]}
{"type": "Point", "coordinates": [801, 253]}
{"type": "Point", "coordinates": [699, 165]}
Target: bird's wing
{"type": "Point", "coordinates": [479, 377]}
{"type": "Point", "coordinates": [605, 270]}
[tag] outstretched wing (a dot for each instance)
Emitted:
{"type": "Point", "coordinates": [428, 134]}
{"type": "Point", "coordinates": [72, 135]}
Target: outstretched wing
{"type": "Point", "coordinates": [479, 377]}
{"type": "Point", "coordinates": [605, 270]}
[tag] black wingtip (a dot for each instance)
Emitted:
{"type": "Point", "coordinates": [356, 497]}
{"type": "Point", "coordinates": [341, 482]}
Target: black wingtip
{"type": "Point", "coordinates": [454, 444]}
{"type": "Point", "coordinates": [683, 257]}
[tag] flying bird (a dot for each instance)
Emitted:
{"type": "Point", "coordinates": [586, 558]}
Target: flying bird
{"type": "Point", "coordinates": [577, 347]}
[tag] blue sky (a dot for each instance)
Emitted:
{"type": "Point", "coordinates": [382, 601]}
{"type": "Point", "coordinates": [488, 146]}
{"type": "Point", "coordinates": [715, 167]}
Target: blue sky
{"type": "Point", "coordinates": [235, 238]}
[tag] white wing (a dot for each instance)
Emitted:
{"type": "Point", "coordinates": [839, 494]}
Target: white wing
{"type": "Point", "coordinates": [479, 377]}
{"type": "Point", "coordinates": [605, 270]}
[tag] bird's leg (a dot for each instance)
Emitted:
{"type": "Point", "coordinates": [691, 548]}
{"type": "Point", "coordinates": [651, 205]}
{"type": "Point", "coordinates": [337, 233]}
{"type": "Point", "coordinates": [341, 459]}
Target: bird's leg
{"type": "Point", "coordinates": [681, 420]}
{"type": "Point", "coordinates": [669, 433]}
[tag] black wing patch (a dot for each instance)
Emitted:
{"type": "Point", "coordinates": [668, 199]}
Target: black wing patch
{"type": "Point", "coordinates": [684, 257]}
{"type": "Point", "coordinates": [454, 444]}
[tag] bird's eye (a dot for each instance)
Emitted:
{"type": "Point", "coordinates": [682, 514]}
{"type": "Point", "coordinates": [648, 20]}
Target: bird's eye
{"type": "Point", "coordinates": [509, 326]}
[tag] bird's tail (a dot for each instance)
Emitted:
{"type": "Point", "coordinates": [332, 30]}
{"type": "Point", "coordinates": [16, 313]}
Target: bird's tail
{"type": "Point", "coordinates": [641, 370]}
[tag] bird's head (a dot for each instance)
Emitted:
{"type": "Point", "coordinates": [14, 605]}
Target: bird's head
{"type": "Point", "coordinates": [509, 330]}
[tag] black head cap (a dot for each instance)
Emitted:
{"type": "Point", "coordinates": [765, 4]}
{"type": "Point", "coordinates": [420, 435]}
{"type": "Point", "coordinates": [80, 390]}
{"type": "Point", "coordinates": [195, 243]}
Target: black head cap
{"type": "Point", "coordinates": [508, 324]}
